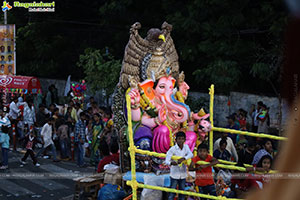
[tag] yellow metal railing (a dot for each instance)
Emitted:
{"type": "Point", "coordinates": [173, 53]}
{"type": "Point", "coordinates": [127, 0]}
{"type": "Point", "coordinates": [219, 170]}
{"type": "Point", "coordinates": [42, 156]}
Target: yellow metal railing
{"type": "Point", "coordinates": [224, 164]}
{"type": "Point", "coordinates": [180, 191]}
{"type": "Point", "coordinates": [131, 148]}
{"type": "Point", "coordinates": [260, 135]}
{"type": "Point", "coordinates": [211, 118]}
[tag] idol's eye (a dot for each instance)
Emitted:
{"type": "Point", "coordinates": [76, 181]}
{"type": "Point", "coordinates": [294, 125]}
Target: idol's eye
{"type": "Point", "coordinates": [162, 87]}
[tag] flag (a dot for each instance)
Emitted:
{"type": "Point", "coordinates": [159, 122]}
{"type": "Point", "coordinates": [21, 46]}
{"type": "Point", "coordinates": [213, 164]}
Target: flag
{"type": "Point", "coordinates": [68, 86]}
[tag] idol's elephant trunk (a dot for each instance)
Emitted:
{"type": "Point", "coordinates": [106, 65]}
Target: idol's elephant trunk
{"type": "Point", "coordinates": [177, 111]}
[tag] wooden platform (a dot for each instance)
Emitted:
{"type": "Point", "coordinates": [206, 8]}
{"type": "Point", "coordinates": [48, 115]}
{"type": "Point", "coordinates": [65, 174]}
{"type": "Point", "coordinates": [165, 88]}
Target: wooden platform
{"type": "Point", "coordinates": [88, 187]}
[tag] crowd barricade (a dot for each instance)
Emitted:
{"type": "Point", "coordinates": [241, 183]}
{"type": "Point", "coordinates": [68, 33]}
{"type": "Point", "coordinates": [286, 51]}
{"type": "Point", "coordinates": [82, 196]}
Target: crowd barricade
{"type": "Point", "coordinates": [223, 164]}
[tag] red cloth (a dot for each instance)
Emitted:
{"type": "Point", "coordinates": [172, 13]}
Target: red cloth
{"type": "Point", "coordinates": [21, 107]}
{"type": "Point", "coordinates": [29, 144]}
{"type": "Point", "coordinates": [204, 177]}
{"type": "Point", "coordinates": [245, 184]}
{"type": "Point", "coordinates": [264, 179]}
{"type": "Point", "coordinates": [242, 122]}
{"type": "Point", "coordinates": [111, 159]}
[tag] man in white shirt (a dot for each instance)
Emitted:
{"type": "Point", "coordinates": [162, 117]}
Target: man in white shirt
{"type": "Point", "coordinates": [13, 109]}
{"type": "Point", "coordinates": [29, 114]}
{"type": "Point", "coordinates": [178, 171]}
{"type": "Point", "coordinates": [13, 115]}
{"type": "Point", "coordinates": [254, 114]}
{"type": "Point", "coordinates": [46, 134]}
{"type": "Point", "coordinates": [230, 146]}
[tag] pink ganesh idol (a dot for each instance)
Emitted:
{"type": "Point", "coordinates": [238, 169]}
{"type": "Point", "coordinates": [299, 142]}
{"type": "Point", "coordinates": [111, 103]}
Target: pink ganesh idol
{"type": "Point", "coordinates": [163, 111]}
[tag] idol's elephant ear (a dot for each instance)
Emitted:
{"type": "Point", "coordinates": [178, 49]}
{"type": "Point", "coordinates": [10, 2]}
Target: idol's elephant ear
{"type": "Point", "coordinates": [161, 139]}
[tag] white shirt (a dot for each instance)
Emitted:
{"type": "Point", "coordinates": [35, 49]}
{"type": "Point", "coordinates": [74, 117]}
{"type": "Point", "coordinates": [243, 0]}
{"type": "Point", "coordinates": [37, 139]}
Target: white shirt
{"type": "Point", "coordinates": [262, 127]}
{"type": "Point", "coordinates": [78, 113]}
{"type": "Point", "coordinates": [13, 110]}
{"type": "Point", "coordinates": [29, 115]}
{"type": "Point", "coordinates": [230, 147]}
{"type": "Point", "coordinates": [254, 116]}
{"type": "Point", "coordinates": [177, 172]}
{"type": "Point", "coordinates": [47, 135]}
{"type": "Point", "coordinates": [4, 122]}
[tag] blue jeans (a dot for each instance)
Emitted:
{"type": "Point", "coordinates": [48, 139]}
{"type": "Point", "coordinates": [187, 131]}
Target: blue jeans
{"type": "Point", "coordinates": [208, 189]}
{"type": "Point", "coordinates": [181, 186]}
{"type": "Point", "coordinates": [44, 148]}
{"type": "Point", "coordinates": [79, 153]}
{"type": "Point", "coordinates": [4, 156]}
{"type": "Point", "coordinates": [64, 150]}
{"type": "Point", "coordinates": [20, 133]}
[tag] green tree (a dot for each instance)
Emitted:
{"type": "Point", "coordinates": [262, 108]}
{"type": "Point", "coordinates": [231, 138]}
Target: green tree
{"type": "Point", "coordinates": [218, 41]}
{"type": "Point", "coordinates": [101, 70]}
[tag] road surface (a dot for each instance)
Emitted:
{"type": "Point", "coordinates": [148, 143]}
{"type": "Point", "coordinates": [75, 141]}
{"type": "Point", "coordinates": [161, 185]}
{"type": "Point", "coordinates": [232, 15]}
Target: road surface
{"type": "Point", "coordinates": [52, 180]}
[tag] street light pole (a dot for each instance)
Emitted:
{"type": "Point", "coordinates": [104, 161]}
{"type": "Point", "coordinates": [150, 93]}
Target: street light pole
{"type": "Point", "coordinates": [5, 17]}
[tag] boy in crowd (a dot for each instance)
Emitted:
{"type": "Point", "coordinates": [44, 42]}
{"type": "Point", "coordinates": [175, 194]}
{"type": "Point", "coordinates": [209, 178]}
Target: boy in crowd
{"type": "Point", "coordinates": [204, 175]}
{"type": "Point", "coordinates": [222, 153]}
{"type": "Point", "coordinates": [30, 141]}
{"type": "Point", "coordinates": [63, 133]}
{"type": "Point", "coordinates": [246, 154]}
{"type": "Point", "coordinates": [46, 134]}
{"type": "Point", "coordinates": [178, 171]}
{"type": "Point", "coordinates": [80, 139]}
{"type": "Point", "coordinates": [107, 158]}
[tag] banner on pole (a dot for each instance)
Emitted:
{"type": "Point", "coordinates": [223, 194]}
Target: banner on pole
{"type": "Point", "coordinates": [7, 50]}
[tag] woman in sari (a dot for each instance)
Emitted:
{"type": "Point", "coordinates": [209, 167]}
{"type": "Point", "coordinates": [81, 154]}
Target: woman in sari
{"type": "Point", "coordinates": [97, 131]}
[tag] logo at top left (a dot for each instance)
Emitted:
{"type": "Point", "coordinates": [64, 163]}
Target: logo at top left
{"type": "Point", "coordinates": [6, 6]}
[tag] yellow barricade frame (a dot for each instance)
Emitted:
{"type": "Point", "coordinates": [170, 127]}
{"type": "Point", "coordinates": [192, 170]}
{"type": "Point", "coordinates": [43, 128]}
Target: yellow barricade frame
{"type": "Point", "coordinates": [225, 164]}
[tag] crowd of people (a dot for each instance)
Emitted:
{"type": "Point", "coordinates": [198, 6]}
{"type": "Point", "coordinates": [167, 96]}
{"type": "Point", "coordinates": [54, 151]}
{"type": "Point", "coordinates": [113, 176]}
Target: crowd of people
{"type": "Point", "coordinates": [80, 131]}
{"type": "Point", "coordinates": [85, 131]}
{"type": "Point", "coordinates": [212, 180]}
{"type": "Point", "coordinates": [256, 155]}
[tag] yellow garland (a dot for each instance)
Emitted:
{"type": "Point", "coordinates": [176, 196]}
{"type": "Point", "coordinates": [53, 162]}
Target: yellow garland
{"type": "Point", "coordinates": [143, 104]}
{"type": "Point", "coordinates": [171, 134]}
{"type": "Point", "coordinates": [146, 100]}
{"type": "Point", "coordinates": [131, 147]}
